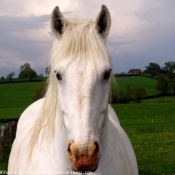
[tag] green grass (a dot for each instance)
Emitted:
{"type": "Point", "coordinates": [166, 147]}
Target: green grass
{"type": "Point", "coordinates": [3, 165]}
{"type": "Point", "coordinates": [162, 106]}
{"type": "Point", "coordinates": [15, 98]}
{"type": "Point", "coordinates": [152, 137]}
{"type": "Point", "coordinates": [154, 147]}
{"type": "Point", "coordinates": [136, 81]}
{"type": "Point", "coordinates": [163, 100]}
{"type": "Point", "coordinates": [18, 79]}
{"type": "Point", "coordinates": [154, 152]}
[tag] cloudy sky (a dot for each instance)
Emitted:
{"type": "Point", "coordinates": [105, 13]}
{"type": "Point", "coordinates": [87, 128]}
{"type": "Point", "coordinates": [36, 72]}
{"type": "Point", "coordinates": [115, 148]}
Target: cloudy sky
{"type": "Point", "coordinates": [142, 31]}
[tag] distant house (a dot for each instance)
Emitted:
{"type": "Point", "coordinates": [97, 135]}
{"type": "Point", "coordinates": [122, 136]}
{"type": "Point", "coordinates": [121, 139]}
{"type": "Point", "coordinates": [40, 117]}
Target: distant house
{"type": "Point", "coordinates": [134, 71]}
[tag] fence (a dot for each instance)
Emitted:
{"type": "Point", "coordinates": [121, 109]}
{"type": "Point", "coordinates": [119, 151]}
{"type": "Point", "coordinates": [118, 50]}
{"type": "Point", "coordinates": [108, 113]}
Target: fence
{"type": "Point", "coordinates": [7, 135]}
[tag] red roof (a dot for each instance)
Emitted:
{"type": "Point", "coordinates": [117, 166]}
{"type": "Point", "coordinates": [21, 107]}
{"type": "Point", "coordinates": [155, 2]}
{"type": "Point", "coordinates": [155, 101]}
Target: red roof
{"type": "Point", "coordinates": [134, 71]}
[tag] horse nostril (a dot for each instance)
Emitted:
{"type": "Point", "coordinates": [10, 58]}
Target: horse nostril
{"type": "Point", "coordinates": [68, 148]}
{"type": "Point", "coordinates": [96, 147]}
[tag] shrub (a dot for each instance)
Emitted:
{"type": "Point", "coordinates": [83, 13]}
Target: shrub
{"type": "Point", "coordinates": [139, 93]}
{"type": "Point", "coordinates": [162, 83]}
{"type": "Point", "coordinates": [39, 90]}
{"type": "Point", "coordinates": [129, 94]}
{"type": "Point", "coordinates": [121, 96]}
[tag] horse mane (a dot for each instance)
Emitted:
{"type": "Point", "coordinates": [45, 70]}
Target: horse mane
{"type": "Point", "coordinates": [80, 40]}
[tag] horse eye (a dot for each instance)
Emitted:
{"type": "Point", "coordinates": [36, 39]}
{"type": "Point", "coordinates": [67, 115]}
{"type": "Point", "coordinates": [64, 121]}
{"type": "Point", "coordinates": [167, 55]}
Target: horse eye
{"type": "Point", "coordinates": [59, 77]}
{"type": "Point", "coordinates": [107, 74]}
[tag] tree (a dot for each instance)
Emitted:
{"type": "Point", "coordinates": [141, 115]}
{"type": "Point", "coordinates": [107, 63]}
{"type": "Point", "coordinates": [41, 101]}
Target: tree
{"type": "Point", "coordinates": [24, 67]}
{"type": "Point", "coordinates": [129, 92]}
{"type": "Point", "coordinates": [29, 74]}
{"type": "Point", "coordinates": [139, 93]}
{"type": "Point", "coordinates": [10, 75]}
{"type": "Point", "coordinates": [174, 87]}
{"type": "Point", "coordinates": [162, 83]}
{"type": "Point", "coordinates": [170, 75]}
{"type": "Point", "coordinates": [169, 66]}
{"type": "Point", "coordinates": [153, 68]}
{"type": "Point", "coordinates": [171, 87]}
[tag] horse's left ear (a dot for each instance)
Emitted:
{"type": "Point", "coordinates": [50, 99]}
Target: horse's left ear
{"type": "Point", "coordinates": [57, 22]}
{"type": "Point", "coordinates": [103, 22]}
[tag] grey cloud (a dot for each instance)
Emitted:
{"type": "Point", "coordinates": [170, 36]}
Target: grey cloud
{"type": "Point", "coordinates": [152, 41]}
{"type": "Point", "coordinates": [22, 49]}
{"type": "Point", "coordinates": [21, 23]}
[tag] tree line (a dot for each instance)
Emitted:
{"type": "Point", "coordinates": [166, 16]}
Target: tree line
{"type": "Point", "coordinates": [165, 84]}
{"type": "Point", "coordinates": [25, 72]}
{"type": "Point", "coordinates": [165, 76]}
{"type": "Point", "coordinates": [153, 69]}
{"type": "Point", "coordinates": [168, 69]}
{"type": "Point", "coordinates": [136, 94]}
{"type": "Point", "coordinates": [129, 94]}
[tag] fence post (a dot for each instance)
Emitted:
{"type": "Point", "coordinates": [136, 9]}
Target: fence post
{"type": "Point", "coordinates": [7, 133]}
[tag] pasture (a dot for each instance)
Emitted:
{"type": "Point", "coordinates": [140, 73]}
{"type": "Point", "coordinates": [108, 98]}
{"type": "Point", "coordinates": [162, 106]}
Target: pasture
{"type": "Point", "coordinates": [150, 125]}
{"type": "Point", "coordinates": [137, 81]}
{"type": "Point", "coordinates": [151, 129]}
{"type": "Point", "coordinates": [15, 97]}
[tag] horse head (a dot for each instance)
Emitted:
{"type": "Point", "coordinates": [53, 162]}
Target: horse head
{"type": "Point", "coordinates": [81, 66]}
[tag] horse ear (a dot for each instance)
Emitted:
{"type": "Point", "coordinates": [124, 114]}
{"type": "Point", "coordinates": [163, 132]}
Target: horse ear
{"type": "Point", "coordinates": [57, 22]}
{"type": "Point", "coordinates": [103, 22]}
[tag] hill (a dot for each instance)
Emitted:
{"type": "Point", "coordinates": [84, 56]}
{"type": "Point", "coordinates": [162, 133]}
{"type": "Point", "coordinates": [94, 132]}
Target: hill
{"type": "Point", "coordinates": [16, 96]}
{"type": "Point", "coordinates": [136, 81]}
{"type": "Point", "coordinates": [149, 125]}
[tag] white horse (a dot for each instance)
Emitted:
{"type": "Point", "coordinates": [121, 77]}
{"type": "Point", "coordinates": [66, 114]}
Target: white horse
{"type": "Point", "coordinates": [73, 129]}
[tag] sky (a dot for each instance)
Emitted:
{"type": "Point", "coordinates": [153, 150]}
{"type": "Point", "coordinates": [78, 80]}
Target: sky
{"type": "Point", "coordinates": [142, 31]}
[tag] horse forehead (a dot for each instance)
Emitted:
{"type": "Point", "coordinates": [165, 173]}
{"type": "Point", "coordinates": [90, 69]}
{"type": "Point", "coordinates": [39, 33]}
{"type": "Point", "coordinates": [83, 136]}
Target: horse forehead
{"type": "Point", "coordinates": [80, 76]}
{"type": "Point", "coordinates": [78, 68]}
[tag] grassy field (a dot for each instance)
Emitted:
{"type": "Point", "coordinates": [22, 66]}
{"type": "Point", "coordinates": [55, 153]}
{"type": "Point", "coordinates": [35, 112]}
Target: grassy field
{"type": "Point", "coordinates": [15, 98]}
{"type": "Point", "coordinates": [19, 79]}
{"type": "Point", "coordinates": [149, 125]}
{"type": "Point", "coordinates": [162, 106]}
{"type": "Point", "coordinates": [154, 148]}
{"type": "Point", "coordinates": [151, 129]}
{"type": "Point", "coordinates": [137, 81]}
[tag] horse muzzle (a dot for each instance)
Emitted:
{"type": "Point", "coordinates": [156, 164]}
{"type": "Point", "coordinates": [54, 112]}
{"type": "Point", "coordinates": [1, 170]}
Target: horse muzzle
{"type": "Point", "coordinates": [84, 158]}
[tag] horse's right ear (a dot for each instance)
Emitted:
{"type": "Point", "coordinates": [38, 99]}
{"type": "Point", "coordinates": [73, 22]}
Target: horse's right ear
{"type": "Point", "coordinates": [103, 22]}
{"type": "Point", "coordinates": [57, 22]}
